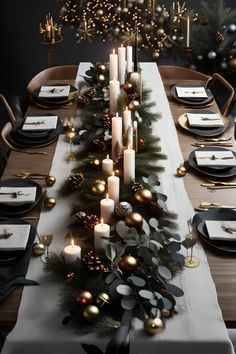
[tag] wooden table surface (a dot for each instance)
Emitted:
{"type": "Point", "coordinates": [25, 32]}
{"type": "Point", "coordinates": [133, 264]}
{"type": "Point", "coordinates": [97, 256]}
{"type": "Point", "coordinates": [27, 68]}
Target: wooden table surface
{"type": "Point", "coordinates": [222, 265]}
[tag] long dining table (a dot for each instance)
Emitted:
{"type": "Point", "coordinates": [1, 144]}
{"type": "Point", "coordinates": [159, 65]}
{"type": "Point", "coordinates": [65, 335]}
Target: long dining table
{"type": "Point", "coordinates": [222, 265]}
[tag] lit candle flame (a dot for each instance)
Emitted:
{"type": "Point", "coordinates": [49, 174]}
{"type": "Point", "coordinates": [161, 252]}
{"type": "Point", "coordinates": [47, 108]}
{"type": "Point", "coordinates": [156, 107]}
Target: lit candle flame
{"type": "Point", "coordinates": [72, 243]}
{"type": "Point", "coordinates": [113, 173]}
{"type": "Point", "coordinates": [107, 157]}
{"type": "Point", "coordinates": [101, 221]}
{"type": "Point", "coordinates": [107, 196]}
{"type": "Point", "coordinates": [113, 51]}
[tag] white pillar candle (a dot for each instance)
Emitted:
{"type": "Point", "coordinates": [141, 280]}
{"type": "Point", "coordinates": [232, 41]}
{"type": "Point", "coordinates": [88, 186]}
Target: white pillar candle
{"type": "Point", "coordinates": [107, 207]}
{"type": "Point", "coordinates": [116, 132]}
{"type": "Point", "coordinates": [107, 165]}
{"type": "Point", "coordinates": [113, 65]}
{"type": "Point", "coordinates": [127, 120]}
{"type": "Point", "coordinates": [135, 78]}
{"type": "Point", "coordinates": [130, 137]}
{"type": "Point", "coordinates": [129, 58]}
{"type": "Point", "coordinates": [135, 135]}
{"type": "Point", "coordinates": [114, 92]}
{"type": "Point", "coordinates": [101, 235]}
{"type": "Point", "coordinates": [188, 32]}
{"type": "Point", "coordinates": [129, 165]}
{"type": "Point", "coordinates": [114, 188]}
{"type": "Point", "coordinates": [72, 253]}
{"type": "Point", "coordinates": [121, 64]}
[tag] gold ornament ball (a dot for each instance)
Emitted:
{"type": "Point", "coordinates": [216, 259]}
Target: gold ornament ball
{"type": "Point", "coordinates": [141, 144]}
{"type": "Point", "coordinates": [91, 313]}
{"type": "Point", "coordinates": [165, 313]}
{"type": "Point", "coordinates": [99, 12]}
{"type": "Point", "coordinates": [70, 134]}
{"type": "Point", "coordinates": [232, 63]}
{"type": "Point", "coordinates": [128, 263]}
{"type": "Point", "coordinates": [84, 298]}
{"type": "Point", "coordinates": [101, 78]}
{"type": "Point", "coordinates": [133, 105]}
{"type": "Point", "coordinates": [101, 68]}
{"type": "Point", "coordinates": [98, 188]}
{"type": "Point", "coordinates": [125, 10]}
{"type": "Point", "coordinates": [49, 203]}
{"type": "Point", "coordinates": [181, 171]}
{"type": "Point", "coordinates": [153, 325]}
{"type": "Point", "coordinates": [95, 162]}
{"type": "Point", "coordinates": [160, 32]}
{"type": "Point", "coordinates": [102, 299]}
{"type": "Point", "coordinates": [50, 180]}
{"type": "Point", "coordinates": [128, 87]}
{"type": "Point", "coordinates": [143, 196]}
{"type": "Point", "coordinates": [134, 220]}
{"type": "Point", "coordinates": [38, 249]}
{"type": "Point", "coordinates": [156, 55]}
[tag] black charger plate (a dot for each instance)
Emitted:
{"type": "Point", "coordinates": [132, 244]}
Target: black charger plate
{"type": "Point", "coordinates": [191, 101]}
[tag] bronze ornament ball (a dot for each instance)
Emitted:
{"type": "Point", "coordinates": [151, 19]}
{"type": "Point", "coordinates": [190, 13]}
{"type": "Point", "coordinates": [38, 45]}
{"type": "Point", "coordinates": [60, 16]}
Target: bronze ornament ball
{"type": "Point", "coordinates": [153, 325]}
{"type": "Point", "coordinates": [133, 105]}
{"type": "Point", "coordinates": [50, 180]}
{"type": "Point", "coordinates": [128, 87]}
{"type": "Point", "coordinates": [101, 79]}
{"type": "Point", "coordinates": [102, 299]}
{"type": "Point", "coordinates": [91, 313]}
{"type": "Point", "coordinates": [99, 12]}
{"type": "Point", "coordinates": [128, 263]}
{"type": "Point", "coordinates": [38, 249]}
{"type": "Point", "coordinates": [143, 196]}
{"type": "Point", "coordinates": [165, 313]}
{"type": "Point", "coordinates": [98, 188]}
{"type": "Point", "coordinates": [232, 63]}
{"type": "Point", "coordinates": [160, 32]}
{"type": "Point", "coordinates": [101, 68]}
{"type": "Point", "coordinates": [84, 298]}
{"type": "Point", "coordinates": [49, 203]}
{"type": "Point", "coordinates": [155, 54]}
{"type": "Point", "coordinates": [181, 171]}
{"type": "Point", "coordinates": [134, 220]}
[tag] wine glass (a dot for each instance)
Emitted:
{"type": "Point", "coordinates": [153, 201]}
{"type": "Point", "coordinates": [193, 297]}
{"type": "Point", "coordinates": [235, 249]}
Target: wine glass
{"type": "Point", "coordinates": [190, 241]}
{"type": "Point", "coordinates": [70, 135]}
{"type": "Point", "coordinates": [46, 240]}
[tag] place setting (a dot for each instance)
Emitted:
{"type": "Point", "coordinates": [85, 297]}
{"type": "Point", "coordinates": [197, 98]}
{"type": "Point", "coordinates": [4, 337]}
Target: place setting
{"type": "Point", "coordinates": [49, 96]}
{"type": "Point", "coordinates": [36, 130]}
{"type": "Point", "coordinates": [192, 95]}
{"type": "Point", "coordinates": [18, 196]}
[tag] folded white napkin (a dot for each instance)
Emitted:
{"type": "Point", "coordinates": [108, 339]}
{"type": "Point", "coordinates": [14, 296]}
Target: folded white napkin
{"type": "Point", "coordinates": [54, 91]}
{"type": "Point", "coordinates": [17, 237]}
{"type": "Point", "coordinates": [40, 123]}
{"type": "Point", "coordinates": [191, 92]}
{"type": "Point", "coordinates": [205, 120]}
{"type": "Point", "coordinates": [217, 230]}
{"type": "Point", "coordinates": [23, 195]}
{"type": "Point", "coordinates": [215, 158]}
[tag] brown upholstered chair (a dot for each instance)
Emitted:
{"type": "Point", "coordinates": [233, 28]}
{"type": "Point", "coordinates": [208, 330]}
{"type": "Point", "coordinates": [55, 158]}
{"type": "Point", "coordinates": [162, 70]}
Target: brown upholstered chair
{"type": "Point", "coordinates": [65, 72]}
{"type": "Point", "coordinates": [6, 113]}
{"type": "Point", "coordinates": [222, 92]}
{"type": "Point", "coordinates": [174, 72]}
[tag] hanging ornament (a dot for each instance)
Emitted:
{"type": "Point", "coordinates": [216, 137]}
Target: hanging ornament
{"type": "Point", "coordinates": [101, 68]}
{"type": "Point", "coordinates": [95, 162]}
{"type": "Point", "coordinates": [134, 219]}
{"type": "Point", "coordinates": [143, 196]}
{"type": "Point", "coordinates": [181, 171]}
{"type": "Point", "coordinates": [128, 87]}
{"type": "Point", "coordinates": [212, 55]}
{"type": "Point", "coordinates": [93, 262]}
{"type": "Point", "coordinates": [91, 313]}
{"type": "Point", "coordinates": [232, 63]}
{"type": "Point", "coordinates": [133, 105]}
{"type": "Point", "coordinates": [102, 299]}
{"type": "Point", "coordinates": [86, 221]}
{"type": "Point", "coordinates": [219, 37]}
{"type": "Point", "coordinates": [153, 325]}
{"type": "Point", "coordinates": [76, 180]}
{"type": "Point", "coordinates": [98, 187]}
{"type": "Point", "coordinates": [70, 277]}
{"type": "Point", "coordinates": [49, 202]}
{"type": "Point", "coordinates": [84, 298]}
{"type": "Point", "coordinates": [232, 28]}
{"type": "Point", "coordinates": [50, 180]}
{"type": "Point", "coordinates": [123, 208]}
{"type": "Point", "coordinates": [38, 249]}
{"type": "Point", "coordinates": [128, 263]}
{"type": "Point", "coordinates": [155, 210]}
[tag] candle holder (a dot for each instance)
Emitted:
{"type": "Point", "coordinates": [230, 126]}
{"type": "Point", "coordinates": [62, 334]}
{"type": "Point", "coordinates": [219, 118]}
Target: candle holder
{"type": "Point", "coordinates": [187, 52]}
{"type": "Point", "coordinates": [50, 34]}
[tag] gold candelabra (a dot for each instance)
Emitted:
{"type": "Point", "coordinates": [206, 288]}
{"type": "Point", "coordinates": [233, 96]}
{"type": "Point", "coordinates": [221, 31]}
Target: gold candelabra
{"type": "Point", "coordinates": [50, 33]}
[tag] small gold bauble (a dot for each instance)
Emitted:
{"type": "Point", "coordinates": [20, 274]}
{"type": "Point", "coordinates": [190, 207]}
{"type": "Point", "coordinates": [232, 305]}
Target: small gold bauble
{"type": "Point", "coordinates": [98, 188]}
{"type": "Point", "coordinates": [165, 313]}
{"type": "Point", "coordinates": [155, 54]}
{"type": "Point", "coordinates": [95, 162]}
{"type": "Point", "coordinates": [128, 263]}
{"type": "Point", "coordinates": [134, 220]}
{"type": "Point", "coordinates": [84, 298]}
{"type": "Point", "coordinates": [128, 87]}
{"type": "Point", "coordinates": [50, 180]}
{"type": "Point", "coordinates": [125, 10]}
{"type": "Point", "coordinates": [232, 63]}
{"type": "Point", "coordinates": [141, 144]}
{"type": "Point", "coordinates": [99, 12]}
{"type": "Point", "coordinates": [101, 78]}
{"type": "Point", "coordinates": [181, 171]}
{"type": "Point", "coordinates": [49, 202]}
{"type": "Point", "coordinates": [70, 134]}
{"type": "Point", "coordinates": [153, 325]}
{"type": "Point", "coordinates": [102, 299]}
{"type": "Point", "coordinates": [160, 32]}
{"type": "Point", "coordinates": [38, 248]}
{"type": "Point", "coordinates": [133, 105]}
{"type": "Point", "coordinates": [143, 196]}
{"type": "Point", "coordinates": [101, 68]}
{"type": "Point", "coordinates": [91, 313]}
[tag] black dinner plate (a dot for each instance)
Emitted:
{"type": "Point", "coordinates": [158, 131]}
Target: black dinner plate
{"type": "Point", "coordinates": [11, 256]}
{"type": "Point", "coordinates": [217, 171]}
{"type": "Point", "coordinates": [14, 210]}
{"type": "Point", "coordinates": [215, 214]}
{"type": "Point", "coordinates": [191, 101]}
{"type": "Point", "coordinates": [54, 101]}
{"type": "Point", "coordinates": [24, 138]}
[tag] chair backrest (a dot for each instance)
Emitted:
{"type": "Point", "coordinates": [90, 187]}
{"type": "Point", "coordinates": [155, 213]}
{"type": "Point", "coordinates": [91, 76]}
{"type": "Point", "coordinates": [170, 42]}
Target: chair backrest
{"type": "Point", "coordinates": [174, 72]}
{"type": "Point", "coordinates": [65, 72]}
{"type": "Point", "coordinates": [4, 143]}
{"type": "Point", "coordinates": [6, 114]}
{"type": "Point", "coordinates": [222, 92]}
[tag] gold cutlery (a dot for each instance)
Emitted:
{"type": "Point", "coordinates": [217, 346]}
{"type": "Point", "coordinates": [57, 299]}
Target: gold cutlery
{"type": "Point", "coordinates": [216, 140]}
{"type": "Point", "coordinates": [218, 183]}
{"type": "Point", "coordinates": [220, 187]}
{"type": "Point", "coordinates": [29, 176]}
{"type": "Point", "coordinates": [23, 218]}
{"type": "Point", "coordinates": [229, 229]}
{"type": "Point", "coordinates": [215, 205]}
{"type": "Point", "coordinates": [205, 144]}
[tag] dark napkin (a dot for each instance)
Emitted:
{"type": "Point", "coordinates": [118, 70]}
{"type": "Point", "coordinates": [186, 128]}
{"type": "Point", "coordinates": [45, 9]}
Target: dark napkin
{"type": "Point", "coordinates": [12, 272]}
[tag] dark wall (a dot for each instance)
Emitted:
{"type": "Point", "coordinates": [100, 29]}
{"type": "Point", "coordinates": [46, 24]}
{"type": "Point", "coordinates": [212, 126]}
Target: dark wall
{"type": "Point", "coordinates": [22, 56]}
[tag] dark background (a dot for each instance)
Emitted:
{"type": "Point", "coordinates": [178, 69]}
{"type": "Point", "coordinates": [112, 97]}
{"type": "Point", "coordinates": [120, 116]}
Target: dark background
{"type": "Point", "coordinates": [22, 56]}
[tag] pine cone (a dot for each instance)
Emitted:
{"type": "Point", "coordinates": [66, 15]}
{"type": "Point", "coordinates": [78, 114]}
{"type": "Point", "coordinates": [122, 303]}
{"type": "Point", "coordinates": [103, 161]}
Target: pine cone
{"type": "Point", "coordinates": [155, 210]}
{"type": "Point", "coordinates": [106, 119]}
{"type": "Point", "coordinates": [90, 93]}
{"type": "Point", "coordinates": [86, 221]}
{"type": "Point", "coordinates": [219, 37]}
{"type": "Point", "coordinates": [136, 186]}
{"type": "Point", "coordinates": [76, 180]}
{"type": "Point", "coordinates": [93, 262]}
{"type": "Point", "coordinates": [132, 96]}
{"type": "Point", "coordinates": [83, 101]}
{"type": "Point", "coordinates": [99, 144]}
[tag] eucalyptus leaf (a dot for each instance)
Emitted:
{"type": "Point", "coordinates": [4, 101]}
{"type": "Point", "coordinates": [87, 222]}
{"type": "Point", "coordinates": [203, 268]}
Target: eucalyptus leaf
{"type": "Point", "coordinates": [153, 222]}
{"type": "Point", "coordinates": [162, 204]}
{"type": "Point", "coordinates": [153, 302]}
{"type": "Point", "coordinates": [137, 281]}
{"type": "Point", "coordinates": [155, 261]}
{"type": "Point", "coordinates": [131, 243]}
{"type": "Point", "coordinates": [145, 180]}
{"type": "Point", "coordinates": [154, 245]}
{"type": "Point", "coordinates": [110, 252]}
{"type": "Point", "coordinates": [153, 180]}
{"type": "Point", "coordinates": [82, 131]}
{"type": "Point", "coordinates": [174, 246]}
{"type": "Point", "coordinates": [99, 131]}
{"type": "Point", "coordinates": [144, 252]}
{"type": "Point", "coordinates": [164, 303]}
{"type": "Point", "coordinates": [146, 227]}
{"type": "Point", "coordinates": [175, 290]}
{"type": "Point", "coordinates": [164, 272]}
{"type": "Point", "coordinates": [133, 232]}
{"type": "Point", "coordinates": [124, 290]}
{"type": "Point", "coordinates": [162, 196]}
{"type": "Point", "coordinates": [128, 304]}
{"type": "Point", "coordinates": [146, 294]}
{"type": "Point", "coordinates": [112, 288]}
{"type": "Point", "coordinates": [155, 312]}
{"type": "Point", "coordinates": [110, 278]}
{"type": "Point", "coordinates": [176, 236]}
{"type": "Point", "coordinates": [177, 257]}
{"type": "Point", "coordinates": [157, 236]}
{"type": "Point", "coordinates": [122, 229]}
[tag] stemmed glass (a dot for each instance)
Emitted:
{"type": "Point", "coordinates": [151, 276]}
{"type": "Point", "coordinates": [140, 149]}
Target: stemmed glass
{"type": "Point", "coordinates": [190, 241]}
{"type": "Point", "coordinates": [46, 240]}
{"type": "Point", "coordinates": [70, 135]}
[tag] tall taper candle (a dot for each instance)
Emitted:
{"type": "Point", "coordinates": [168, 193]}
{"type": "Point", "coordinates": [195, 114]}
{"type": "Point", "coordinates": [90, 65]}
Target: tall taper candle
{"type": "Point", "coordinates": [101, 230]}
{"type": "Point", "coordinates": [129, 165]}
{"type": "Point", "coordinates": [116, 132]}
{"type": "Point", "coordinates": [107, 207]}
{"type": "Point", "coordinates": [129, 58]}
{"type": "Point", "coordinates": [127, 120]}
{"type": "Point", "coordinates": [121, 64]}
{"type": "Point", "coordinates": [135, 135]}
{"type": "Point", "coordinates": [113, 65]}
{"type": "Point", "coordinates": [114, 188]}
{"type": "Point", "coordinates": [114, 92]}
{"type": "Point", "coordinates": [107, 166]}
{"type": "Point", "coordinates": [188, 32]}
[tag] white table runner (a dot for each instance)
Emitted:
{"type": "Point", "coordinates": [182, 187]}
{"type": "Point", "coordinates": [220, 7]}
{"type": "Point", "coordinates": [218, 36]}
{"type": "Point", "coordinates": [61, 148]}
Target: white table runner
{"type": "Point", "coordinates": [197, 328]}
